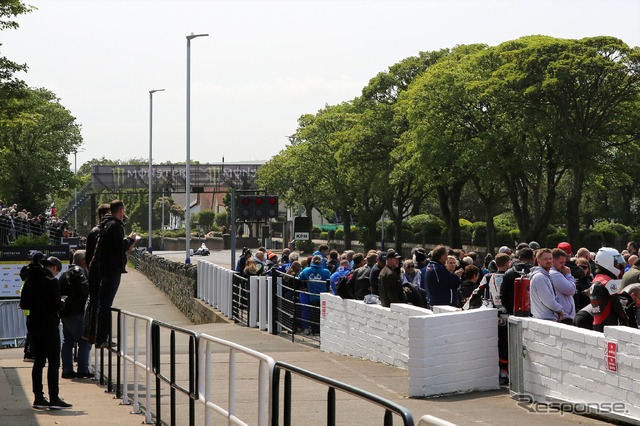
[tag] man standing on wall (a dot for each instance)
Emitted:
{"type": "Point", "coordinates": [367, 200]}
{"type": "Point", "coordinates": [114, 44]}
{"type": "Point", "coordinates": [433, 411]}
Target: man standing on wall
{"type": "Point", "coordinates": [113, 247]}
{"type": "Point", "coordinates": [93, 272]}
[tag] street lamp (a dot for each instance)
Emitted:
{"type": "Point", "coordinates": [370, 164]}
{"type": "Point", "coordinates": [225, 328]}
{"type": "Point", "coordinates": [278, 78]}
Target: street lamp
{"type": "Point", "coordinates": [188, 177]}
{"type": "Point", "coordinates": [150, 175]}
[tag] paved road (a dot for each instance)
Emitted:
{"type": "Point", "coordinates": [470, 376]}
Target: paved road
{"type": "Point", "coordinates": [137, 294]}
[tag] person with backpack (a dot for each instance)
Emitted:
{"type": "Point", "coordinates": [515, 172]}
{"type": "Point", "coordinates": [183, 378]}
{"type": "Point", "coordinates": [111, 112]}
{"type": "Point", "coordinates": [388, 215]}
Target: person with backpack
{"type": "Point", "coordinates": [41, 295]}
{"type": "Point", "coordinates": [520, 268]}
{"type": "Point", "coordinates": [24, 274]}
{"type": "Point", "coordinates": [342, 271]}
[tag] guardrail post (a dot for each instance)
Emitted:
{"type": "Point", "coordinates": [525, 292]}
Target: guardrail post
{"type": "Point", "coordinates": [262, 300]}
{"type": "Point", "coordinates": [269, 306]}
{"type": "Point", "coordinates": [331, 407]}
{"type": "Point", "coordinates": [287, 398]}
{"type": "Point", "coordinates": [253, 301]}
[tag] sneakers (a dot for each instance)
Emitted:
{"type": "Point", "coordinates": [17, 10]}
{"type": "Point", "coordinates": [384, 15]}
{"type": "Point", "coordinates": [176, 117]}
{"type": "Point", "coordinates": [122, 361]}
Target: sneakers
{"type": "Point", "coordinates": [106, 345]}
{"type": "Point", "coordinates": [41, 403]}
{"type": "Point", "coordinates": [58, 404]}
{"type": "Point", "coordinates": [85, 375]}
{"type": "Point", "coordinates": [504, 379]}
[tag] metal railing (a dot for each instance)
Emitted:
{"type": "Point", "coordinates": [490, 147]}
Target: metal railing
{"type": "Point", "coordinates": [389, 407]}
{"type": "Point", "coordinates": [206, 346]}
{"type": "Point", "coordinates": [240, 300]}
{"type": "Point", "coordinates": [136, 360]}
{"type": "Point", "coordinates": [171, 379]}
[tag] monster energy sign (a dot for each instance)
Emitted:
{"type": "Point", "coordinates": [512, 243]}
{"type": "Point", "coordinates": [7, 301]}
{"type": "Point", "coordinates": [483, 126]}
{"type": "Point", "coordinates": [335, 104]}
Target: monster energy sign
{"type": "Point", "coordinates": [172, 178]}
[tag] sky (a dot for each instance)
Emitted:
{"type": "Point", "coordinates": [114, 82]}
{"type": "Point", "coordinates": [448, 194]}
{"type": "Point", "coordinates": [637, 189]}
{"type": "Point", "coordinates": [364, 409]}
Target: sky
{"type": "Point", "coordinates": [263, 65]}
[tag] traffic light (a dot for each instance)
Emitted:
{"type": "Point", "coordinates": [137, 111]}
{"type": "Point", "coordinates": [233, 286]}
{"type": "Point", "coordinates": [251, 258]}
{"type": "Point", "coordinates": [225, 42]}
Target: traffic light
{"type": "Point", "coordinates": [257, 207]}
{"type": "Point", "coordinates": [272, 206]}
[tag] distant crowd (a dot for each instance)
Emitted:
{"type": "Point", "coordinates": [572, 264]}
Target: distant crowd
{"type": "Point", "coordinates": [16, 222]}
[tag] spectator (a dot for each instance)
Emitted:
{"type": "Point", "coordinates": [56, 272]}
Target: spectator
{"type": "Point", "coordinates": [632, 275]}
{"type": "Point", "coordinates": [469, 278]}
{"type": "Point", "coordinates": [390, 281]}
{"type": "Point", "coordinates": [323, 252]}
{"type": "Point", "coordinates": [629, 298]}
{"type": "Point", "coordinates": [452, 264]}
{"type": "Point", "coordinates": [93, 260]}
{"type": "Point", "coordinates": [113, 248]}
{"type": "Point", "coordinates": [563, 284]}
{"type": "Point", "coordinates": [362, 275]}
{"type": "Point", "coordinates": [41, 294]}
{"type": "Point", "coordinates": [543, 299]}
{"type": "Point", "coordinates": [315, 277]}
{"type": "Point", "coordinates": [442, 285]}
{"type": "Point", "coordinates": [342, 270]}
{"type": "Point", "coordinates": [521, 267]}
{"type": "Point", "coordinates": [411, 274]}
{"type": "Point", "coordinates": [75, 286]}
{"type": "Point", "coordinates": [375, 272]}
{"type": "Point", "coordinates": [581, 298]}
{"type": "Point", "coordinates": [333, 262]}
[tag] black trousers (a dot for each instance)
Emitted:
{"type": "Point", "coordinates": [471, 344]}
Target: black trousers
{"type": "Point", "coordinates": [45, 342]}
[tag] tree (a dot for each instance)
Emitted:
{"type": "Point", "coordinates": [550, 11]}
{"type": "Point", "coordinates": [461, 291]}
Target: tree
{"type": "Point", "coordinates": [34, 148]}
{"type": "Point", "coordinates": [577, 100]}
{"type": "Point", "coordinates": [444, 117]}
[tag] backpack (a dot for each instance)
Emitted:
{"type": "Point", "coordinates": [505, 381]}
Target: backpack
{"type": "Point", "coordinates": [345, 286]}
{"type": "Point", "coordinates": [27, 293]}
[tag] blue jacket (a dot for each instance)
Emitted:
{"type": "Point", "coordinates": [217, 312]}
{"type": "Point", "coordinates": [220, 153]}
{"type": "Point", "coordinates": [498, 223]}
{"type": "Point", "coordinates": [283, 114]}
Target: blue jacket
{"type": "Point", "coordinates": [442, 285]}
{"type": "Point", "coordinates": [335, 277]}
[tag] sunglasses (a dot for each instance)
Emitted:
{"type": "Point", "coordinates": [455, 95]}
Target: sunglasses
{"type": "Point", "coordinates": [584, 267]}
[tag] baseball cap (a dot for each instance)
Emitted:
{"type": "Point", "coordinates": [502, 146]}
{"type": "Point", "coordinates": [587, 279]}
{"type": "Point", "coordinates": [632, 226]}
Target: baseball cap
{"type": "Point", "coordinates": [392, 254]}
{"type": "Point", "coordinates": [566, 247]}
{"type": "Point", "coordinates": [504, 249]}
{"type": "Point", "coordinates": [52, 261]}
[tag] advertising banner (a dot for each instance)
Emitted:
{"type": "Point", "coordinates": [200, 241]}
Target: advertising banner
{"type": "Point", "coordinates": [13, 258]}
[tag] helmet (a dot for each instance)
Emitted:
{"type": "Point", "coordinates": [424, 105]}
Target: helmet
{"type": "Point", "coordinates": [610, 259]}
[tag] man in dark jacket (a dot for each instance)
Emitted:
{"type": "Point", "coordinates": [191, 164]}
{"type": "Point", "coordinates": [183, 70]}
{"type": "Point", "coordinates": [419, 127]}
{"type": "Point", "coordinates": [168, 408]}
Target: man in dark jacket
{"type": "Point", "coordinates": [390, 281]}
{"type": "Point", "coordinates": [442, 285]}
{"type": "Point", "coordinates": [75, 286]}
{"type": "Point", "coordinates": [41, 294]}
{"type": "Point", "coordinates": [93, 272]}
{"type": "Point", "coordinates": [522, 266]}
{"type": "Point", "coordinates": [113, 259]}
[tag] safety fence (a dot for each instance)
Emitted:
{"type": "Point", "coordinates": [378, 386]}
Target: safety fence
{"type": "Point", "coordinates": [220, 376]}
{"type": "Point", "coordinates": [281, 304]}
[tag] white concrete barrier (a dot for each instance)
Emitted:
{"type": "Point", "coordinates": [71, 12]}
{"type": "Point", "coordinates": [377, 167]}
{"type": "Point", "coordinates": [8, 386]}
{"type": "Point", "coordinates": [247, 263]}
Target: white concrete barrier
{"type": "Point", "coordinates": [591, 370]}
{"type": "Point", "coordinates": [451, 352]}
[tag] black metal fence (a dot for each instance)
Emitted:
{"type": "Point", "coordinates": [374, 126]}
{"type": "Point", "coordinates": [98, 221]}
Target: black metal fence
{"type": "Point", "coordinates": [296, 306]}
{"type": "Point", "coordinates": [390, 408]}
{"type": "Point", "coordinates": [240, 308]}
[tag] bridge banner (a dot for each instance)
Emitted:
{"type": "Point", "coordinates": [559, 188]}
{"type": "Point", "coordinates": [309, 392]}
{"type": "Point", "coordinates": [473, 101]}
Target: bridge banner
{"type": "Point", "coordinates": [172, 178]}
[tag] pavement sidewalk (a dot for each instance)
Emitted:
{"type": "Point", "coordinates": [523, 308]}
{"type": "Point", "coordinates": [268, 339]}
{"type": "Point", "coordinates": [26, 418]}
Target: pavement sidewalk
{"type": "Point", "coordinates": [137, 294]}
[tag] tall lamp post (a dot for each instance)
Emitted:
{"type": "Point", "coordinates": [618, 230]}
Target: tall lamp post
{"type": "Point", "coordinates": [188, 177]}
{"type": "Point", "coordinates": [150, 174]}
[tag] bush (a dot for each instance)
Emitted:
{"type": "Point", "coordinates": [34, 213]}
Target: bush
{"type": "Point", "coordinates": [222, 218]}
{"type": "Point", "coordinates": [426, 226]}
{"type": "Point", "coordinates": [593, 240]}
{"type": "Point", "coordinates": [305, 246]}
{"type": "Point", "coordinates": [206, 219]}
{"type": "Point", "coordinates": [464, 224]}
{"type": "Point", "coordinates": [514, 234]}
{"type": "Point", "coordinates": [479, 233]}
{"type": "Point", "coordinates": [339, 234]}
{"type": "Point", "coordinates": [503, 238]}
{"type": "Point", "coordinates": [315, 232]}
{"type": "Point", "coordinates": [32, 240]}
{"type": "Point", "coordinates": [556, 237]}
{"type": "Point", "coordinates": [324, 235]}
{"type": "Point", "coordinates": [505, 222]}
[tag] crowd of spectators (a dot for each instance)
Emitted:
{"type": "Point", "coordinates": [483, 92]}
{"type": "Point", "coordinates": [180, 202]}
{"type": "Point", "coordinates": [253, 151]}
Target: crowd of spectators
{"type": "Point", "coordinates": [16, 222]}
{"type": "Point", "coordinates": [584, 289]}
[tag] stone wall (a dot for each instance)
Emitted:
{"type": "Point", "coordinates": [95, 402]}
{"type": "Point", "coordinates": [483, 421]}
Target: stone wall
{"type": "Point", "coordinates": [177, 280]}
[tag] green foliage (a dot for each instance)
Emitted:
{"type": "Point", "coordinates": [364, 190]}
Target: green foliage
{"type": "Point", "coordinates": [426, 226]}
{"type": "Point", "coordinates": [206, 219]}
{"type": "Point", "coordinates": [306, 247]}
{"type": "Point", "coordinates": [617, 228]}
{"type": "Point", "coordinates": [324, 235]}
{"type": "Point", "coordinates": [593, 240]}
{"type": "Point", "coordinates": [222, 218]}
{"type": "Point", "coordinates": [504, 222]}
{"type": "Point", "coordinates": [514, 234]}
{"type": "Point", "coordinates": [339, 234]}
{"type": "Point", "coordinates": [464, 224]}
{"type": "Point", "coordinates": [32, 240]}
{"type": "Point", "coordinates": [555, 238]}
{"type": "Point", "coordinates": [478, 233]}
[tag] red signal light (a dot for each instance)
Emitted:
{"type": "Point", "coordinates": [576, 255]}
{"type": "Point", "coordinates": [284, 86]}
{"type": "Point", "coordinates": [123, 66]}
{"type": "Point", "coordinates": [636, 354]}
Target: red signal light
{"type": "Point", "coordinates": [245, 201]}
{"type": "Point", "coordinates": [272, 201]}
{"type": "Point", "coordinates": [259, 201]}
